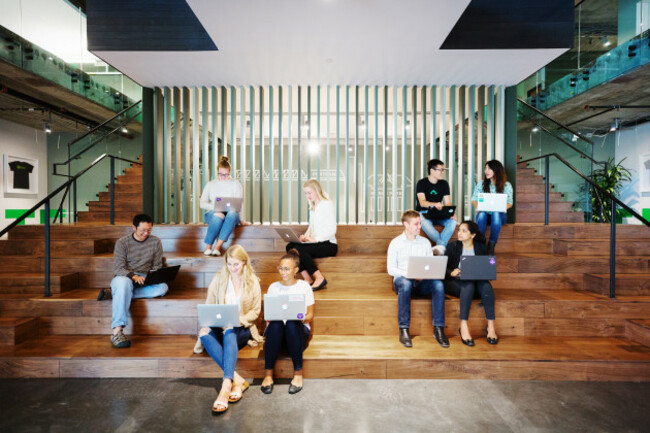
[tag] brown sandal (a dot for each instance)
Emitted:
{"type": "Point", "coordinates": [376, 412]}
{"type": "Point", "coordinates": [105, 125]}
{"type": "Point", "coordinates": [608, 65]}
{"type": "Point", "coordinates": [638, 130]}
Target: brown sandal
{"type": "Point", "coordinates": [235, 396]}
{"type": "Point", "coordinates": [219, 407]}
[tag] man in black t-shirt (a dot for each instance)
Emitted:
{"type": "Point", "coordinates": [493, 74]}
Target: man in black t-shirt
{"type": "Point", "coordinates": [21, 171]}
{"type": "Point", "coordinates": [433, 191]}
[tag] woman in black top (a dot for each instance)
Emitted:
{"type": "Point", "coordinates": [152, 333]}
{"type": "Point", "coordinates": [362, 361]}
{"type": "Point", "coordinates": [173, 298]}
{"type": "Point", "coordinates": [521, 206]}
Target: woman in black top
{"type": "Point", "coordinates": [470, 243]}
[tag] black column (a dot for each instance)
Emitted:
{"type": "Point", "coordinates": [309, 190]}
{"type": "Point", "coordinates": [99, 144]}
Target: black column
{"type": "Point", "coordinates": [510, 151]}
{"type": "Point", "coordinates": [147, 152]}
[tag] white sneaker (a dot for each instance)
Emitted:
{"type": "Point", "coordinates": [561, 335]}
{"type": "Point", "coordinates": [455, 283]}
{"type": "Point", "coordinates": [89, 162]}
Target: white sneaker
{"type": "Point", "coordinates": [216, 252]}
{"type": "Point", "coordinates": [207, 252]}
{"type": "Point", "coordinates": [439, 250]}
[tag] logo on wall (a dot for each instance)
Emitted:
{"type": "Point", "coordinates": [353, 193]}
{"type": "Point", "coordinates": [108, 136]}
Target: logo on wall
{"type": "Point", "coordinates": [20, 175]}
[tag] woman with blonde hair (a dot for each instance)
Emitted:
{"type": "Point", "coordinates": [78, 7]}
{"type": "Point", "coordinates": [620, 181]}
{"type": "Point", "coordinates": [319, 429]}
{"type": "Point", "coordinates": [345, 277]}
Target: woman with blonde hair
{"type": "Point", "coordinates": [320, 238]}
{"type": "Point", "coordinates": [220, 224]}
{"type": "Point", "coordinates": [236, 283]}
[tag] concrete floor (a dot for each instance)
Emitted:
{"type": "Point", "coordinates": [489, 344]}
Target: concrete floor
{"type": "Point", "coordinates": [342, 405]}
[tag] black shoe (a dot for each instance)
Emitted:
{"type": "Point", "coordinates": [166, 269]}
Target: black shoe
{"type": "Point", "coordinates": [319, 287]}
{"type": "Point", "coordinates": [441, 338]}
{"type": "Point", "coordinates": [469, 342]}
{"type": "Point", "coordinates": [293, 389]}
{"type": "Point", "coordinates": [490, 248]}
{"type": "Point", "coordinates": [404, 337]}
{"type": "Point", "coordinates": [492, 340]}
{"type": "Point", "coordinates": [104, 295]}
{"type": "Point", "coordinates": [267, 389]}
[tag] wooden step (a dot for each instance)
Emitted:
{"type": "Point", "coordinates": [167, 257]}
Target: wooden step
{"type": "Point", "coordinates": [35, 283]}
{"type": "Point", "coordinates": [530, 197]}
{"type": "Point", "coordinates": [626, 284]}
{"type": "Point", "coordinates": [552, 216]}
{"type": "Point", "coordinates": [346, 234]}
{"type": "Point", "coordinates": [133, 197]}
{"type": "Point", "coordinates": [600, 247]}
{"type": "Point", "coordinates": [638, 331]}
{"type": "Point", "coordinates": [532, 188]}
{"type": "Point", "coordinates": [126, 187]}
{"type": "Point", "coordinates": [120, 206]}
{"type": "Point", "coordinates": [369, 357]}
{"type": "Point", "coordinates": [15, 330]}
{"type": "Point", "coordinates": [538, 206]}
{"type": "Point", "coordinates": [343, 310]}
{"type": "Point", "coordinates": [104, 217]}
{"type": "Point", "coordinates": [36, 247]}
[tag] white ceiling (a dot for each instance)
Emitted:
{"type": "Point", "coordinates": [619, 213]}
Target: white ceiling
{"type": "Point", "coordinates": [345, 42]}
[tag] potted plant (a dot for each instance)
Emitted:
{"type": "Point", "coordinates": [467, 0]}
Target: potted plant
{"type": "Point", "coordinates": [610, 178]}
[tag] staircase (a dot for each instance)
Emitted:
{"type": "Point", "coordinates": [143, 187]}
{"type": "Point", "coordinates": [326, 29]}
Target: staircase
{"type": "Point", "coordinates": [553, 320]}
{"type": "Point", "coordinates": [128, 199]}
{"type": "Point", "coordinates": [530, 200]}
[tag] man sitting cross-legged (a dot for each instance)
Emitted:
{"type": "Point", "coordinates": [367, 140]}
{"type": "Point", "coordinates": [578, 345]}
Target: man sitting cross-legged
{"type": "Point", "coordinates": [134, 256]}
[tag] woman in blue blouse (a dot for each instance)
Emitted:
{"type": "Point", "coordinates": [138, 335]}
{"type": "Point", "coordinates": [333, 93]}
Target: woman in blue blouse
{"type": "Point", "coordinates": [494, 181]}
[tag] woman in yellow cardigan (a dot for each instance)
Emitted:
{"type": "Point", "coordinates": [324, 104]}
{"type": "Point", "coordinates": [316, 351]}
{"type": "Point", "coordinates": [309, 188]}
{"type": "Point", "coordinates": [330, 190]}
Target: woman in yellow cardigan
{"type": "Point", "coordinates": [237, 284]}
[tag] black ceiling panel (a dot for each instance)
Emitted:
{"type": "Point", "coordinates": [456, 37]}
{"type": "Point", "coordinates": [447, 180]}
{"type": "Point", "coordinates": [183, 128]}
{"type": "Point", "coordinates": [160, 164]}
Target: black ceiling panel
{"type": "Point", "coordinates": [145, 25]}
{"type": "Point", "coordinates": [510, 24]}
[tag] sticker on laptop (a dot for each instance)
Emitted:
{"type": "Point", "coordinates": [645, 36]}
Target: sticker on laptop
{"type": "Point", "coordinates": [493, 261]}
{"type": "Point", "coordinates": [300, 316]}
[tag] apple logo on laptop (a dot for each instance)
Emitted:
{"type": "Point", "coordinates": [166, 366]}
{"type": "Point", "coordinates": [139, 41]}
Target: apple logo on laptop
{"type": "Point", "coordinates": [218, 316]}
{"type": "Point", "coordinates": [426, 268]}
{"type": "Point", "coordinates": [285, 306]}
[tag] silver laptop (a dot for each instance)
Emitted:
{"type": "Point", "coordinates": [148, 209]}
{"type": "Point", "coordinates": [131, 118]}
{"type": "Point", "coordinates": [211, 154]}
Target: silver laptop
{"type": "Point", "coordinates": [218, 315]}
{"type": "Point", "coordinates": [488, 202]}
{"type": "Point", "coordinates": [427, 268]}
{"type": "Point", "coordinates": [227, 204]}
{"type": "Point", "coordinates": [288, 235]}
{"type": "Point", "coordinates": [284, 307]}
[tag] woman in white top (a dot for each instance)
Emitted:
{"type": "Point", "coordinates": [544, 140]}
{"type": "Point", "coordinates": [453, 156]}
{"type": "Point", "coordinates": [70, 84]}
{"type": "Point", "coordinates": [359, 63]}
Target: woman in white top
{"type": "Point", "coordinates": [320, 238]}
{"type": "Point", "coordinates": [220, 224]}
{"type": "Point", "coordinates": [294, 334]}
{"type": "Point", "coordinates": [236, 283]}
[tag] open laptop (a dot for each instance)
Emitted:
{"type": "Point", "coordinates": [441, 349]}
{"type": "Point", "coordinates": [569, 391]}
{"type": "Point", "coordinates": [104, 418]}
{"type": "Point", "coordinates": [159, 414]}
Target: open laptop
{"type": "Point", "coordinates": [227, 204]}
{"type": "Point", "coordinates": [162, 275]}
{"type": "Point", "coordinates": [441, 214]}
{"type": "Point", "coordinates": [288, 234]}
{"type": "Point", "coordinates": [488, 202]}
{"type": "Point", "coordinates": [218, 315]}
{"type": "Point", "coordinates": [427, 268]}
{"type": "Point", "coordinates": [478, 268]}
{"type": "Point", "coordinates": [284, 307]}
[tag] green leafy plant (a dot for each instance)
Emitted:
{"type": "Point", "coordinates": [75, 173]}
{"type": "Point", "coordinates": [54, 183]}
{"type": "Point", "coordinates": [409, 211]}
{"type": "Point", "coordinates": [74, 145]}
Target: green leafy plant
{"type": "Point", "coordinates": [610, 178]}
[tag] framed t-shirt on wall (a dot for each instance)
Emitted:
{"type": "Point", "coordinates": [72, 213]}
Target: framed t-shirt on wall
{"type": "Point", "coordinates": [20, 175]}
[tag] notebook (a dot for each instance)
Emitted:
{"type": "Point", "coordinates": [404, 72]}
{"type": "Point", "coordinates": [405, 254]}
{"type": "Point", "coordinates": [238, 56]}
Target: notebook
{"type": "Point", "coordinates": [478, 268]}
{"type": "Point", "coordinates": [427, 268]}
{"type": "Point", "coordinates": [284, 307]}
{"type": "Point", "coordinates": [488, 202]}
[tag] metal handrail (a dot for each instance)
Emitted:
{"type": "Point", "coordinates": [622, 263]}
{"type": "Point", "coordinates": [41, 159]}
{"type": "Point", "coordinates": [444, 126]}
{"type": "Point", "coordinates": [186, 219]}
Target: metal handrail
{"type": "Point", "coordinates": [71, 158]}
{"type": "Point", "coordinates": [614, 202]}
{"type": "Point", "coordinates": [76, 140]}
{"type": "Point", "coordinates": [584, 155]}
{"type": "Point", "coordinates": [541, 113]}
{"type": "Point", "coordinates": [46, 202]}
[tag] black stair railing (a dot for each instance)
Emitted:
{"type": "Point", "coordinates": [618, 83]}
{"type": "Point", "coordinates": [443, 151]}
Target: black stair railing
{"type": "Point", "coordinates": [46, 204]}
{"type": "Point", "coordinates": [614, 203]}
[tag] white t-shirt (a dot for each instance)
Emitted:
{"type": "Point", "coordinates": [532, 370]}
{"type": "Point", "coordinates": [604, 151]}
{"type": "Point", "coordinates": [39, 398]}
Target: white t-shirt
{"type": "Point", "coordinates": [300, 288]}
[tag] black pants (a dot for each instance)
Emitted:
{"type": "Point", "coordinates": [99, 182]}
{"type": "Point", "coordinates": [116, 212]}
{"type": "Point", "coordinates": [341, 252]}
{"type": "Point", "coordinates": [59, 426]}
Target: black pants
{"type": "Point", "coordinates": [309, 252]}
{"type": "Point", "coordinates": [467, 290]}
{"type": "Point", "coordinates": [294, 335]}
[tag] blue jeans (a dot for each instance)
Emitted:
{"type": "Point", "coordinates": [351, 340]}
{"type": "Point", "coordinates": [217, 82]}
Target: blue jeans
{"type": "Point", "coordinates": [448, 225]}
{"type": "Point", "coordinates": [405, 287]}
{"type": "Point", "coordinates": [223, 347]}
{"type": "Point", "coordinates": [497, 219]}
{"type": "Point", "coordinates": [220, 227]}
{"type": "Point", "coordinates": [123, 290]}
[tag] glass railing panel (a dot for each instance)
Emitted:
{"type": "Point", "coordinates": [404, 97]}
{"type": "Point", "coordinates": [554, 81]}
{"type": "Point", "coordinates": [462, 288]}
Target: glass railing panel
{"type": "Point", "coordinates": [35, 59]}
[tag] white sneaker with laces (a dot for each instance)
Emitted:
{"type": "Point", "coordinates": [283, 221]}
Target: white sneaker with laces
{"type": "Point", "coordinates": [439, 250]}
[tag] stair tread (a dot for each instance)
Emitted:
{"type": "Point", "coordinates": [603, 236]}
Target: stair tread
{"type": "Point", "coordinates": [328, 347]}
{"type": "Point", "coordinates": [624, 276]}
{"type": "Point", "coordinates": [376, 293]}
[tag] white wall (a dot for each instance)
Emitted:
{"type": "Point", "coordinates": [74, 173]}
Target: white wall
{"type": "Point", "coordinates": [18, 140]}
{"type": "Point", "coordinates": [633, 144]}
